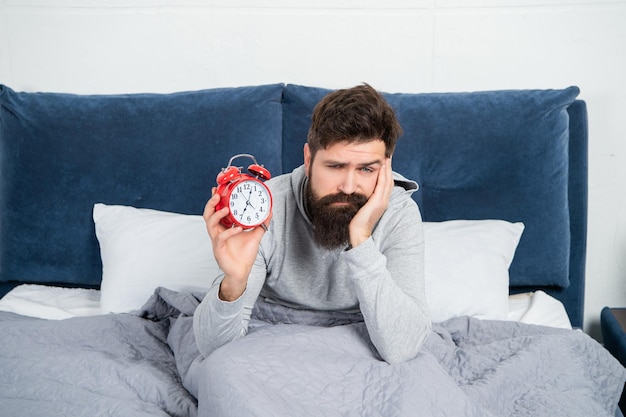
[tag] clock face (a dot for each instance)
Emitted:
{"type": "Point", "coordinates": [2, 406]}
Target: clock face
{"type": "Point", "coordinates": [250, 203]}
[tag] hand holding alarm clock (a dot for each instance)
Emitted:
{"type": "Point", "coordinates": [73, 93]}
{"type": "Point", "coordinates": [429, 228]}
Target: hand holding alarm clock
{"type": "Point", "coordinates": [249, 200]}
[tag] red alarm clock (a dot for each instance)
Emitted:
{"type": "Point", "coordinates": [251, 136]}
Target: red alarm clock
{"type": "Point", "coordinates": [249, 200]}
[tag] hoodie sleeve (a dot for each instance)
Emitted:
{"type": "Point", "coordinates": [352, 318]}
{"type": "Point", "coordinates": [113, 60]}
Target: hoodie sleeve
{"type": "Point", "coordinates": [387, 271]}
{"type": "Point", "coordinates": [217, 322]}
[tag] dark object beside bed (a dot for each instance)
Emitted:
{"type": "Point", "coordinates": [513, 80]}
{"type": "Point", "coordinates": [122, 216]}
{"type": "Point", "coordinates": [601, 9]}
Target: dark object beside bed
{"type": "Point", "coordinates": [613, 322]}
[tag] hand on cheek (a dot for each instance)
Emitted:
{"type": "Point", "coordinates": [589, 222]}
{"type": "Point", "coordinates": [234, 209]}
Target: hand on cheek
{"type": "Point", "coordinates": [366, 218]}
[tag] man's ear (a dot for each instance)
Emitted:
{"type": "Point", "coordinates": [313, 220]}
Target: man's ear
{"type": "Point", "coordinates": [307, 159]}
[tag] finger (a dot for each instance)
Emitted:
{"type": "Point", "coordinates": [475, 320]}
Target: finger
{"type": "Point", "coordinates": [389, 176]}
{"type": "Point", "coordinates": [227, 233]}
{"type": "Point", "coordinates": [386, 179]}
{"type": "Point", "coordinates": [209, 208]}
{"type": "Point", "coordinates": [217, 217]}
{"type": "Point", "coordinates": [384, 183]}
{"type": "Point", "coordinates": [213, 222]}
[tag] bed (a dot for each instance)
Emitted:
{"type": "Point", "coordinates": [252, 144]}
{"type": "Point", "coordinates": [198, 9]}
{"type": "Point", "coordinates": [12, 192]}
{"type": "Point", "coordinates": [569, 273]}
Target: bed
{"type": "Point", "coordinates": [104, 257]}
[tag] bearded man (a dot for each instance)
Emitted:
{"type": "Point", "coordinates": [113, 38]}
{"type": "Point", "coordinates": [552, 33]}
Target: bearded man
{"type": "Point", "coordinates": [345, 237]}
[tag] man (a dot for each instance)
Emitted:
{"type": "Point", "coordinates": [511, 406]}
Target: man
{"type": "Point", "coordinates": [345, 236]}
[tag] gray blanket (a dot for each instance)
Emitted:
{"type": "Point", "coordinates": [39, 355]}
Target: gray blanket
{"type": "Point", "coordinates": [139, 365]}
{"type": "Point", "coordinates": [110, 365]}
{"type": "Point", "coordinates": [468, 367]}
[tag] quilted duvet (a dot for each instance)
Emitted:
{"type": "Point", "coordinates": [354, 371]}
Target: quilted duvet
{"type": "Point", "coordinates": [147, 365]}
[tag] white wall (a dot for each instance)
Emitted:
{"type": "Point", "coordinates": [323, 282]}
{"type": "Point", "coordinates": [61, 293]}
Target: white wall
{"type": "Point", "coordinates": [111, 46]}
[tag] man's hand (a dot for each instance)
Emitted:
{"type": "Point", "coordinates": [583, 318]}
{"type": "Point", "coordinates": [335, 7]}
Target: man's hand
{"type": "Point", "coordinates": [234, 249]}
{"type": "Point", "coordinates": [366, 218]}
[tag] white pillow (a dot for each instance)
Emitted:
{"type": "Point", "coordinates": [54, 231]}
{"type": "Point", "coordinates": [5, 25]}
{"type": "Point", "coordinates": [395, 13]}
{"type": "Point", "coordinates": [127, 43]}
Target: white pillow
{"type": "Point", "coordinates": [467, 267]}
{"type": "Point", "coordinates": [466, 262]}
{"type": "Point", "coordinates": [143, 249]}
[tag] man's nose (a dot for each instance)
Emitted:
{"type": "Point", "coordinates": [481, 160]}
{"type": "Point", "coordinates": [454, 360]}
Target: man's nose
{"type": "Point", "coordinates": [348, 183]}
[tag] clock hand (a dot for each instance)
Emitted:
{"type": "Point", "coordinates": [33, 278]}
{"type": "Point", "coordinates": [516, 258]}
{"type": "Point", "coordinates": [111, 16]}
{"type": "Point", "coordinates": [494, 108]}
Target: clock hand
{"type": "Point", "coordinates": [248, 203]}
{"type": "Point", "coordinates": [244, 210]}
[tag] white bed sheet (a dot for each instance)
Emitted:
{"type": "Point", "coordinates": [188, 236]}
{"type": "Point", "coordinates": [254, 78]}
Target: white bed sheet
{"type": "Point", "coordinates": [55, 303]}
{"type": "Point", "coordinates": [538, 308]}
{"type": "Point", "coordinates": [52, 303]}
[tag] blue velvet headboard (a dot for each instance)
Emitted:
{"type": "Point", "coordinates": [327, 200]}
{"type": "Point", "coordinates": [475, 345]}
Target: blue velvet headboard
{"type": "Point", "coordinates": [518, 155]}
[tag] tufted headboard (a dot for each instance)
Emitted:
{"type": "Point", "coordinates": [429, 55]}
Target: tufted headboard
{"type": "Point", "coordinates": [518, 155]}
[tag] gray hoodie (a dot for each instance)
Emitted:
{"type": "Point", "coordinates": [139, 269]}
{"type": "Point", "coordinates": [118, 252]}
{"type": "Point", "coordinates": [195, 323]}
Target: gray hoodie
{"type": "Point", "coordinates": [382, 278]}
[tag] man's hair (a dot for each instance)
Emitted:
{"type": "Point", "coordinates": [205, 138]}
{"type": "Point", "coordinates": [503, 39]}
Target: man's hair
{"type": "Point", "coordinates": [357, 114]}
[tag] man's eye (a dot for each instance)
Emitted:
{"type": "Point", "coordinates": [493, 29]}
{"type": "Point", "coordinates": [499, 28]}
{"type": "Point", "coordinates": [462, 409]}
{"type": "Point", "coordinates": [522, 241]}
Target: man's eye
{"type": "Point", "coordinates": [367, 170]}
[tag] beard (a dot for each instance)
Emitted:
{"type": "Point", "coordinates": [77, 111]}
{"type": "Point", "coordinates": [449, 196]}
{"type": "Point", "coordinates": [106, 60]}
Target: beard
{"type": "Point", "coordinates": [331, 223]}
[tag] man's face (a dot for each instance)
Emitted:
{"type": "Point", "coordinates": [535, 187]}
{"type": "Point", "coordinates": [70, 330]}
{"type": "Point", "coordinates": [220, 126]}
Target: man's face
{"type": "Point", "coordinates": [341, 180]}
